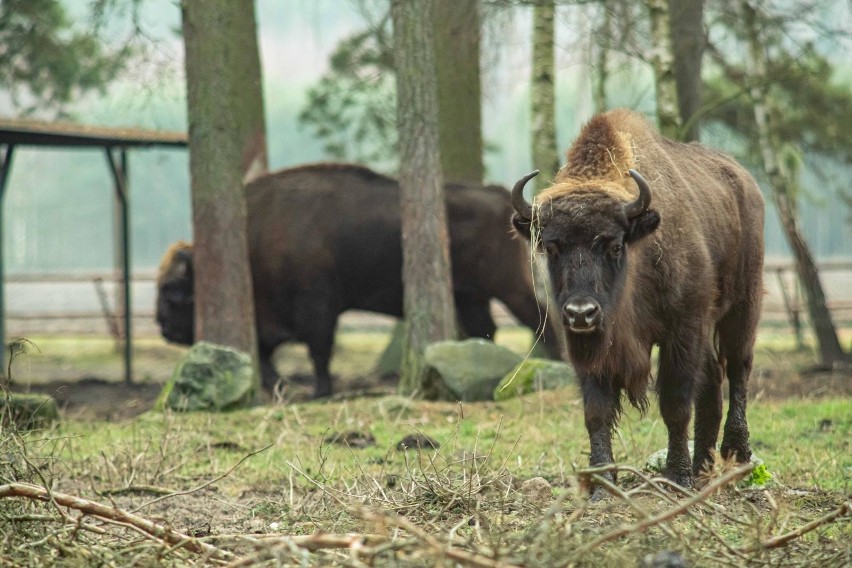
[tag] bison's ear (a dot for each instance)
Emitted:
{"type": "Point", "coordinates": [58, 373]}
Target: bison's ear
{"type": "Point", "coordinates": [522, 226]}
{"type": "Point", "coordinates": [642, 225]}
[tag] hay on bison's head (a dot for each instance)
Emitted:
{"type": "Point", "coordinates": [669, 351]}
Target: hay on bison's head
{"type": "Point", "coordinates": [169, 257]}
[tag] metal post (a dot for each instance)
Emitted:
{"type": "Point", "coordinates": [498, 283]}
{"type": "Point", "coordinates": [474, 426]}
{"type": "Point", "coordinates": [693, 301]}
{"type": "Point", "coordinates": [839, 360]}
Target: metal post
{"type": "Point", "coordinates": [5, 166]}
{"type": "Point", "coordinates": [119, 174]}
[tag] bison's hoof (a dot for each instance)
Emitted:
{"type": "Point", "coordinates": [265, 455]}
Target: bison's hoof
{"type": "Point", "coordinates": [741, 455]}
{"type": "Point", "coordinates": [598, 494]}
{"type": "Point", "coordinates": [682, 479]}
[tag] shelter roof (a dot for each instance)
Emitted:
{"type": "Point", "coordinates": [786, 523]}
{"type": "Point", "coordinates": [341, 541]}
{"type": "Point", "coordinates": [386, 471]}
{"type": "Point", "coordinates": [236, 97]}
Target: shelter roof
{"type": "Point", "coordinates": [42, 133]}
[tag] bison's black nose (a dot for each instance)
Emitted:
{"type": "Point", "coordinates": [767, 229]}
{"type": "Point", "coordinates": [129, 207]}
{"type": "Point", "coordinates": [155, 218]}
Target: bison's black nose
{"type": "Point", "coordinates": [581, 316]}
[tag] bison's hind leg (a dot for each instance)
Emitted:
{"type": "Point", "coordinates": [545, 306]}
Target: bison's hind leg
{"type": "Point", "coordinates": [708, 411]}
{"type": "Point", "coordinates": [737, 332]}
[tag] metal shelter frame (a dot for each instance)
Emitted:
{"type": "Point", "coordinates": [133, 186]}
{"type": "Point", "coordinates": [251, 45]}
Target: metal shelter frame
{"type": "Point", "coordinates": [115, 142]}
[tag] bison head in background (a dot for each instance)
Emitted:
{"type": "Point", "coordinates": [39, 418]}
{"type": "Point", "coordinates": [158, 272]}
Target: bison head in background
{"type": "Point", "coordinates": [175, 300]}
{"type": "Point", "coordinates": [586, 231]}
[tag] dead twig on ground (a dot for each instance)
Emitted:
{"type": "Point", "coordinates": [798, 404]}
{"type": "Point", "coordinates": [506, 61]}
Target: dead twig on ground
{"type": "Point", "coordinates": [783, 539]}
{"type": "Point", "coordinates": [112, 514]}
{"type": "Point", "coordinates": [645, 524]}
{"type": "Point", "coordinates": [360, 544]}
{"type": "Point", "coordinates": [438, 548]}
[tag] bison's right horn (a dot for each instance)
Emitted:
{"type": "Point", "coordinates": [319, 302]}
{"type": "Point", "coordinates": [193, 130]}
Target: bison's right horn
{"type": "Point", "coordinates": [642, 202]}
{"type": "Point", "coordinates": [520, 204]}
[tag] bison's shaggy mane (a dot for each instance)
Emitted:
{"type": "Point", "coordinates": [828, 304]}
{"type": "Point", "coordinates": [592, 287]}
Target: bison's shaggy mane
{"type": "Point", "coordinates": [600, 157]}
{"type": "Point", "coordinates": [169, 257]}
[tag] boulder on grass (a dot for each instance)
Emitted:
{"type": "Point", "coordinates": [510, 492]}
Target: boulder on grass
{"type": "Point", "coordinates": [465, 370]}
{"type": "Point", "coordinates": [27, 411]}
{"type": "Point", "coordinates": [533, 375]}
{"type": "Point", "coordinates": [210, 377]}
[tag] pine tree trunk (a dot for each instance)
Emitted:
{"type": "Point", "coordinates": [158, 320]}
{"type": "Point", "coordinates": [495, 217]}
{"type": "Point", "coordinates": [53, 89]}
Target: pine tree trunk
{"type": "Point", "coordinates": [688, 41]}
{"type": "Point", "coordinates": [227, 145]}
{"type": "Point", "coordinates": [662, 60]}
{"type": "Point", "coordinates": [830, 351]}
{"type": "Point", "coordinates": [456, 40]}
{"type": "Point", "coordinates": [428, 301]}
{"type": "Point", "coordinates": [543, 94]}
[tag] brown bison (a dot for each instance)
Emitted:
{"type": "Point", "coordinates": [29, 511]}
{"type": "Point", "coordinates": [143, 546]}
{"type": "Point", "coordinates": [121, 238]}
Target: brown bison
{"type": "Point", "coordinates": [677, 264]}
{"type": "Point", "coordinates": [325, 238]}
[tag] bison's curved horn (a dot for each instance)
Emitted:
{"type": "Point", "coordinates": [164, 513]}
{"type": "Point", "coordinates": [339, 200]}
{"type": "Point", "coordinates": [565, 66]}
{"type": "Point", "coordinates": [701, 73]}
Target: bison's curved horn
{"type": "Point", "coordinates": [642, 202]}
{"type": "Point", "coordinates": [520, 204]}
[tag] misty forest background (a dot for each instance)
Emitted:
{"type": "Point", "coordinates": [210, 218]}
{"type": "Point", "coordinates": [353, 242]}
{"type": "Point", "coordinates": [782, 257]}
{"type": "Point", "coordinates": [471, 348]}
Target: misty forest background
{"type": "Point", "coordinates": [59, 209]}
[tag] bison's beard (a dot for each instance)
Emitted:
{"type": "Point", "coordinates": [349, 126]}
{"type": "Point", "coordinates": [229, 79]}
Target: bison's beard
{"type": "Point", "coordinates": [587, 349]}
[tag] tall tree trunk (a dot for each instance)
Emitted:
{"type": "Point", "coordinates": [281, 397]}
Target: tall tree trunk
{"type": "Point", "coordinates": [829, 347]}
{"type": "Point", "coordinates": [456, 41]}
{"type": "Point", "coordinates": [601, 44]}
{"type": "Point", "coordinates": [428, 300]}
{"type": "Point", "coordinates": [662, 60]}
{"type": "Point", "coordinates": [688, 42]}
{"type": "Point", "coordinates": [543, 94]}
{"type": "Point", "coordinates": [227, 145]}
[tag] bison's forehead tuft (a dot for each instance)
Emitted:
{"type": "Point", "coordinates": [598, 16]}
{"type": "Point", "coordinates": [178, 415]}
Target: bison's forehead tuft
{"type": "Point", "coordinates": [579, 215]}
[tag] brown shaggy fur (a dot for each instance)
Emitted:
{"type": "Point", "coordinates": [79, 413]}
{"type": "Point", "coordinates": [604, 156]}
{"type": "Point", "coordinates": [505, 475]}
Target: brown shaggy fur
{"type": "Point", "coordinates": [690, 274]}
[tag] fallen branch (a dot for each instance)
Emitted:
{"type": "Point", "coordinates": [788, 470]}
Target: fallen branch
{"type": "Point", "coordinates": [112, 514]}
{"type": "Point", "coordinates": [462, 557]}
{"type": "Point", "coordinates": [783, 539]}
{"type": "Point", "coordinates": [708, 490]}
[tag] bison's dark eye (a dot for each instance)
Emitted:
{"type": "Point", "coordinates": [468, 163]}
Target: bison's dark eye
{"type": "Point", "coordinates": [551, 249]}
{"type": "Point", "coordinates": [615, 250]}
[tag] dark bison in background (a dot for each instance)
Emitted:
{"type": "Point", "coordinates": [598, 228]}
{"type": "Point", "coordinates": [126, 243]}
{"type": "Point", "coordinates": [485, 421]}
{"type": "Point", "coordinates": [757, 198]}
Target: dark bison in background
{"type": "Point", "coordinates": [677, 264]}
{"type": "Point", "coordinates": [326, 238]}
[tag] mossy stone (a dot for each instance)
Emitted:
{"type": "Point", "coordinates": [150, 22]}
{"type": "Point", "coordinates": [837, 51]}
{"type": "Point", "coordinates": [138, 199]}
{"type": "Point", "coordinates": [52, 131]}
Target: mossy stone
{"type": "Point", "coordinates": [210, 377]}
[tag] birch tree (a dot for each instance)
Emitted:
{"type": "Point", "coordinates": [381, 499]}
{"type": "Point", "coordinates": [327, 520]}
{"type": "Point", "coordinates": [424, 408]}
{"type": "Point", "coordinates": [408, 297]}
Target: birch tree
{"type": "Point", "coordinates": [829, 348]}
{"type": "Point", "coordinates": [543, 95]}
{"type": "Point", "coordinates": [662, 60]}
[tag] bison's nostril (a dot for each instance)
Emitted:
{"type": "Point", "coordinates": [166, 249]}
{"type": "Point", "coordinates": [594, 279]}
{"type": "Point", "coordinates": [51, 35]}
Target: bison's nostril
{"type": "Point", "coordinates": [582, 314]}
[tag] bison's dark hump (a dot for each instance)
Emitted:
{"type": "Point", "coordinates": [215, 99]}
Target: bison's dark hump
{"type": "Point", "coordinates": [329, 168]}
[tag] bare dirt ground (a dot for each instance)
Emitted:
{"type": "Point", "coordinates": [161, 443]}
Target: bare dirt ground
{"type": "Point", "coordinates": [88, 391]}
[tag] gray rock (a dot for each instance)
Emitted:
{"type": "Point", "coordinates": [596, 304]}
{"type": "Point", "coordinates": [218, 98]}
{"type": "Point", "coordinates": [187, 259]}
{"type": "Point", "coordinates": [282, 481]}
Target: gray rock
{"type": "Point", "coordinates": [533, 375]}
{"type": "Point", "coordinates": [210, 377]}
{"type": "Point", "coordinates": [538, 491]}
{"type": "Point", "coordinates": [465, 370]}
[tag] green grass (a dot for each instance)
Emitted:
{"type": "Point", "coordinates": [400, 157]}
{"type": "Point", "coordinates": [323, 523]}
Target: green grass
{"type": "Point", "coordinates": [469, 492]}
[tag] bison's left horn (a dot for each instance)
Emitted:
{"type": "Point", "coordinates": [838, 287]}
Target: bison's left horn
{"type": "Point", "coordinates": [642, 202]}
{"type": "Point", "coordinates": [520, 204]}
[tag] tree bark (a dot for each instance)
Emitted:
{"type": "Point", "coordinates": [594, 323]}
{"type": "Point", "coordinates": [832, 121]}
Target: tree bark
{"type": "Point", "coordinates": [227, 146]}
{"type": "Point", "coordinates": [456, 41]}
{"type": "Point", "coordinates": [662, 60]}
{"type": "Point", "coordinates": [688, 41]}
{"type": "Point", "coordinates": [830, 351]}
{"type": "Point", "coordinates": [428, 301]}
{"type": "Point", "coordinates": [602, 40]}
{"type": "Point", "coordinates": [543, 94]}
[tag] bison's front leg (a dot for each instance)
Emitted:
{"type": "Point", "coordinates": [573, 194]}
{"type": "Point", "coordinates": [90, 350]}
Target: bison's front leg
{"type": "Point", "coordinates": [601, 403]}
{"type": "Point", "coordinates": [676, 377]}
